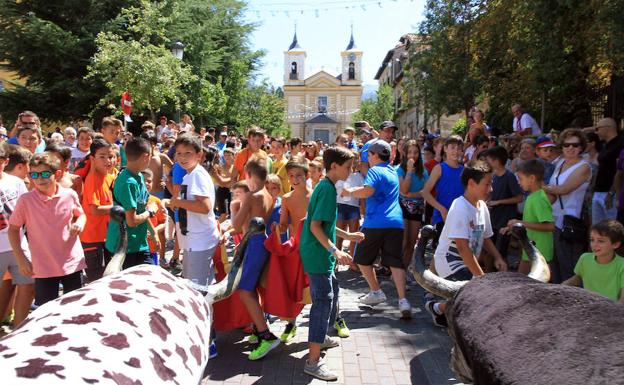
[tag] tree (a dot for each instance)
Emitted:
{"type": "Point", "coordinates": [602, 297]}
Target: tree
{"type": "Point", "coordinates": [264, 107]}
{"type": "Point", "coordinates": [378, 109]}
{"type": "Point", "coordinates": [49, 44]}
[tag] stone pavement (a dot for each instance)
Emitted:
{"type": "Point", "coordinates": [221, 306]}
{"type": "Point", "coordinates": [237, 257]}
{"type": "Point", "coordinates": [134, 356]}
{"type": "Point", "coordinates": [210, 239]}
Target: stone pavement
{"type": "Point", "coordinates": [382, 349]}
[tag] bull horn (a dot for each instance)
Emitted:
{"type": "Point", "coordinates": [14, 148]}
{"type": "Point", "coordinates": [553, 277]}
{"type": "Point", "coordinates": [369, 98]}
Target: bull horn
{"type": "Point", "coordinates": [118, 214]}
{"type": "Point", "coordinates": [224, 288]}
{"type": "Point", "coordinates": [539, 266]}
{"type": "Point", "coordinates": [428, 280]}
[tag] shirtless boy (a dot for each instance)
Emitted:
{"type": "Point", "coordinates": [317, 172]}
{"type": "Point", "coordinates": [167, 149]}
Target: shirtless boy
{"type": "Point", "coordinates": [257, 203]}
{"type": "Point", "coordinates": [295, 203]}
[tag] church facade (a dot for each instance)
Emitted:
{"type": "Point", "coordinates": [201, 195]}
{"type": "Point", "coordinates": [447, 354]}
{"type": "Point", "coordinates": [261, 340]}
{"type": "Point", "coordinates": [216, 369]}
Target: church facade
{"type": "Point", "coordinates": [319, 106]}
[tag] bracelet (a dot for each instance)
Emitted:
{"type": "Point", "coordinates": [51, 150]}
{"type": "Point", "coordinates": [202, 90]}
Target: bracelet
{"type": "Point", "coordinates": [332, 249]}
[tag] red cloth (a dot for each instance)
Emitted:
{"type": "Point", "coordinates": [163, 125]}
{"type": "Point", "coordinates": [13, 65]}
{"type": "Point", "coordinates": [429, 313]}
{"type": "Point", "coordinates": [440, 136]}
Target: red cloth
{"type": "Point", "coordinates": [230, 313]}
{"type": "Point", "coordinates": [286, 281]}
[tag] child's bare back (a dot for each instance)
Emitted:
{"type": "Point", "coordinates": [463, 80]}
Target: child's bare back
{"type": "Point", "coordinates": [258, 204]}
{"type": "Point", "coordinates": [294, 209]}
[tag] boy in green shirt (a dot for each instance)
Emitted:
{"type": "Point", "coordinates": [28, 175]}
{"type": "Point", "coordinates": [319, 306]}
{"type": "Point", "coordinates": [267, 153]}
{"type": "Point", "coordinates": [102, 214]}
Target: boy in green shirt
{"type": "Point", "coordinates": [602, 270]}
{"type": "Point", "coordinates": [129, 191]}
{"type": "Point", "coordinates": [537, 215]}
{"type": "Point", "coordinates": [319, 256]}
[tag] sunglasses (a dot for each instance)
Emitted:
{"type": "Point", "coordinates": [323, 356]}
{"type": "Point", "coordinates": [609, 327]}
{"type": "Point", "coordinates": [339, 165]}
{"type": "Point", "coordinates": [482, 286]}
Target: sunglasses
{"type": "Point", "coordinates": [575, 145]}
{"type": "Point", "coordinates": [43, 174]}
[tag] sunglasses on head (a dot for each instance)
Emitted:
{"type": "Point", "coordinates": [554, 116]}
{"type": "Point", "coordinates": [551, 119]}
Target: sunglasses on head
{"type": "Point", "coordinates": [575, 145]}
{"type": "Point", "coordinates": [43, 174]}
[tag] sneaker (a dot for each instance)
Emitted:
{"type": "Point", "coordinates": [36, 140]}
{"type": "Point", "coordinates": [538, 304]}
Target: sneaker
{"type": "Point", "coordinates": [212, 351]}
{"type": "Point", "coordinates": [330, 342]}
{"type": "Point", "coordinates": [252, 339]}
{"type": "Point", "coordinates": [405, 308]}
{"type": "Point", "coordinates": [289, 333]}
{"type": "Point", "coordinates": [373, 298]}
{"type": "Point", "coordinates": [438, 319]}
{"type": "Point", "coordinates": [264, 347]}
{"type": "Point", "coordinates": [341, 327]}
{"type": "Point", "coordinates": [175, 267]}
{"type": "Point", "coordinates": [319, 370]}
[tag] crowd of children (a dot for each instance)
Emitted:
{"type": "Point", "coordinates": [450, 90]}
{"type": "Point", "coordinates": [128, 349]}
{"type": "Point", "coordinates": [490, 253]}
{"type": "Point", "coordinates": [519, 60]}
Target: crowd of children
{"type": "Point", "coordinates": [191, 193]}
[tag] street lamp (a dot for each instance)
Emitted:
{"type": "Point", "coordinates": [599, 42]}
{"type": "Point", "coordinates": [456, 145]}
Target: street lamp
{"type": "Point", "coordinates": [177, 49]}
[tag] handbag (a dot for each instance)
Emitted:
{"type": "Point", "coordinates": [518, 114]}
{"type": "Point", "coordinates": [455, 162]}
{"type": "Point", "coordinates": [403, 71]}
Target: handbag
{"type": "Point", "coordinates": [574, 229]}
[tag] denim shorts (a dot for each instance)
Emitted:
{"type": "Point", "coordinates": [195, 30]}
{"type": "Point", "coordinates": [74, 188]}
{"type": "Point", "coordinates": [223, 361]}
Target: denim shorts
{"type": "Point", "coordinates": [348, 212]}
{"type": "Point", "coordinates": [324, 292]}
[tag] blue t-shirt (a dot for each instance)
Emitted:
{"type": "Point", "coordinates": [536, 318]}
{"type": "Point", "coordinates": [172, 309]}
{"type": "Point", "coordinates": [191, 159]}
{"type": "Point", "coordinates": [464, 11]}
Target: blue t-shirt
{"type": "Point", "coordinates": [448, 188]}
{"type": "Point", "coordinates": [40, 147]}
{"type": "Point", "coordinates": [417, 183]}
{"type": "Point", "coordinates": [177, 174]}
{"type": "Point", "coordinates": [382, 208]}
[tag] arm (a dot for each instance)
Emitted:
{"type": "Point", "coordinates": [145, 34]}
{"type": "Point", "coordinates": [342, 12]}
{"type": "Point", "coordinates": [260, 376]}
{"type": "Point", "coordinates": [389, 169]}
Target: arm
{"type": "Point", "coordinates": [317, 230]}
{"type": "Point", "coordinates": [355, 237]}
{"type": "Point", "coordinates": [507, 201]}
{"type": "Point", "coordinates": [133, 219]}
{"type": "Point", "coordinates": [243, 212]}
{"type": "Point", "coordinates": [404, 184]}
{"type": "Point", "coordinates": [499, 261]}
{"type": "Point", "coordinates": [575, 280]}
{"type": "Point", "coordinates": [99, 210]}
{"type": "Point", "coordinates": [284, 215]}
{"type": "Point", "coordinates": [578, 177]}
{"type": "Point", "coordinates": [200, 204]}
{"type": "Point", "coordinates": [436, 173]}
{"type": "Point", "coordinates": [25, 267]}
{"type": "Point", "coordinates": [469, 259]}
{"type": "Point", "coordinates": [359, 192]}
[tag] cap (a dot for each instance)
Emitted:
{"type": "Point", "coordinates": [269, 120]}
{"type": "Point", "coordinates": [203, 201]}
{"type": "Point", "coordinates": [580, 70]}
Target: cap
{"type": "Point", "coordinates": [380, 147]}
{"type": "Point", "coordinates": [387, 124]}
{"type": "Point", "coordinates": [544, 141]}
{"type": "Point", "coordinates": [366, 130]}
{"type": "Point", "coordinates": [162, 117]}
{"type": "Point", "coordinates": [223, 133]}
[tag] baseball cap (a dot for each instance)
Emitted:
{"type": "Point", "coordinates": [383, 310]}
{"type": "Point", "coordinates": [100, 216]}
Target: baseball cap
{"type": "Point", "coordinates": [223, 133]}
{"type": "Point", "coordinates": [163, 117]}
{"type": "Point", "coordinates": [543, 142]}
{"type": "Point", "coordinates": [387, 124]}
{"type": "Point", "coordinates": [380, 147]}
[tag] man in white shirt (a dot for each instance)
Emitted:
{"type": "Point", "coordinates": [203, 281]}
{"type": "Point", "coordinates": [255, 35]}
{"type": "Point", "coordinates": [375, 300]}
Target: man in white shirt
{"type": "Point", "coordinates": [523, 123]}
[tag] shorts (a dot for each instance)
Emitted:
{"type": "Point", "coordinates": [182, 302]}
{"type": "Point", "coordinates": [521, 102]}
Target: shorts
{"type": "Point", "coordinates": [96, 257]}
{"type": "Point", "coordinates": [138, 258]}
{"type": "Point", "coordinates": [413, 210]}
{"type": "Point", "coordinates": [256, 257]}
{"type": "Point", "coordinates": [9, 263]}
{"type": "Point", "coordinates": [154, 258]}
{"type": "Point", "coordinates": [198, 267]}
{"type": "Point", "coordinates": [347, 212]}
{"type": "Point", "coordinates": [462, 274]}
{"type": "Point", "coordinates": [389, 241]}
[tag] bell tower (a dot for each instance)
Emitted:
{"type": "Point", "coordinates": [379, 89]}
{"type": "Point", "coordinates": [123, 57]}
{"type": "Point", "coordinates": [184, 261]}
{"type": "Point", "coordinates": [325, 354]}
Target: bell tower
{"type": "Point", "coordinates": [351, 64]}
{"type": "Point", "coordinates": [294, 63]}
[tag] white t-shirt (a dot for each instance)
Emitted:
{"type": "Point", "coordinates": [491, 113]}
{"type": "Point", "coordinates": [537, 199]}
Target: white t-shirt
{"type": "Point", "coordinates": [463, 221]}
{"type": "Point", "coordinates": [202, 233]}
{"type": "Point", "coordinates": [11, 188]}
{"type": "Point", "coordinates": [186, 127]}
{"type": "Point", "coordinates": [354, 180]}
{"type": "Point", "coordinates": [526, 121]}
{"type": "Point", "coordinates": [76, 156]}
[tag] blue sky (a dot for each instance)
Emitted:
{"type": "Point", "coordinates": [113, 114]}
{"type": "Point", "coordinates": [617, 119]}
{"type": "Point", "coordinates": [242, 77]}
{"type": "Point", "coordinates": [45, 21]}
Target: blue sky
{"type": "Point", "coordinates": [377, 26]}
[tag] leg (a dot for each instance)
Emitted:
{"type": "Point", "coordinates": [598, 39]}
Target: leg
{"type": "Point", "coordinates": [46, 289]}
{"type": "Point", "coordinates": [366, 254]}
{"type": "Point", "coordinates": [6, 294]}
{"type": "Point", "coordinates": [23, 298]}
{"type": "Point", "coordinates": [250, 300]}
{"type": "Point", "coordinates": [392, 256]}
{"type": "Point", "coordinates": [524, 267]}
{"type": "Point", "coordinates": [369, 275]}
{"type": "Point", "coordinates": [71, 282]}
{"type": "Point", "coordinates": [323, 301]}
{"type": "Point", "coordinates": [342, 225]}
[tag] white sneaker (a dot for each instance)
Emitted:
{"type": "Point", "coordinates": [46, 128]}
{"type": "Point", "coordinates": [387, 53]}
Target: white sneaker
{"type": "Point", "coordinates": [330, 342]}
{"type": "Point", "coordinates": [319, 370]}
{"type": "Point", "coordinates": [373, 298]}
{"type": "Point", "coordinates": [405, 308]}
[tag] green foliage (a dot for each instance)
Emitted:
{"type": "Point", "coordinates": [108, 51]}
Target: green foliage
{"type": "Point", "coordinates": [375, 111]}
{"type": "Point", "coordinates": [460, 127]}
{"type": "Point", "coordinates": [263, 107]}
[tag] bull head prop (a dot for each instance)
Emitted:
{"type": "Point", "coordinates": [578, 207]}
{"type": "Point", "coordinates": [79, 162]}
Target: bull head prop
{"type": "Point", "coordinates": [139, 325]}
{"type": "Point", "coordinates": [511, 329]}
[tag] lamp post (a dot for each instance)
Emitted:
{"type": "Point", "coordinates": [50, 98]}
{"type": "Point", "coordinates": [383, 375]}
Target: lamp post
{"type": "Point", "coordinates": [177, 49]}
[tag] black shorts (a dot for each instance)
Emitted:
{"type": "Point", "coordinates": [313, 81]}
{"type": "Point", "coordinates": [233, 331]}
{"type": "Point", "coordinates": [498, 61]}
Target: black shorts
{"type": "Point", "coordinates": [388, 241]}
{"type": "Point", "coordinates": [223, 197]}
{"type": "Point", "coordinates": [412, 210]}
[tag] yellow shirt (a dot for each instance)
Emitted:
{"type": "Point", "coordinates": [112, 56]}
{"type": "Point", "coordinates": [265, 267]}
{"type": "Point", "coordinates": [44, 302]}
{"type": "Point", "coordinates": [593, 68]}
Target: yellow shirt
{"type": "Point", "coordinates": [279, 169]}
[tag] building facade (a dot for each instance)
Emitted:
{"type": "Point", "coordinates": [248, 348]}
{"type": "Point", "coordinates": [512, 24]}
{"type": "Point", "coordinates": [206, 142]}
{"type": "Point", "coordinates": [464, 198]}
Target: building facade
{"type": "Point", "coordinates": [319, 105]}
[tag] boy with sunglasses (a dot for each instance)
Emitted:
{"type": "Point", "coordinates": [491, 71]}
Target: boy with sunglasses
{"type": "Point", "coordinates": [53, 219]}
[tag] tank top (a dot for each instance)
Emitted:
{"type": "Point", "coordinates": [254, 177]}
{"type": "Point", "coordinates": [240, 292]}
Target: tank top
{"type": "Point", "coordinates": [572, 202]}
{"type": "Point", "coordinates": [448, 187]}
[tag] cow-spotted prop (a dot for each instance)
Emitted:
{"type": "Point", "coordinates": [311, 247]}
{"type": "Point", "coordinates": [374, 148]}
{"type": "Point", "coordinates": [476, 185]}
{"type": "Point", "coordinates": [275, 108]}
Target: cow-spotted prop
{"type": "Point", "coordinates": [141, 326]}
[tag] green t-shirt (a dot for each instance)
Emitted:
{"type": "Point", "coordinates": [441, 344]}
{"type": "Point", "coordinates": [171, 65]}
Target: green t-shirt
{"type": "Point", "coordinates": [322, 207]}
{"type": "Point", "coordinates": [122, 155]}
{"type": "Point", "coordinates": [605, 279]}
{"type": "Point", "coordinates": [537, 209]}
{"type": "Point", "coordinates": [129, 191]}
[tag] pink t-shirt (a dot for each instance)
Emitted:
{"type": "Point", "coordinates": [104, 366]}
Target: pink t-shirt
{"type": "Point", "coordinates": [54, 251]}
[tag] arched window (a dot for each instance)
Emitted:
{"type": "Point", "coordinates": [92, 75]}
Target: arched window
{"type": "Point", "coordinates": [351, 71]}
{"type": "Point", "coordinates": [293, 70]}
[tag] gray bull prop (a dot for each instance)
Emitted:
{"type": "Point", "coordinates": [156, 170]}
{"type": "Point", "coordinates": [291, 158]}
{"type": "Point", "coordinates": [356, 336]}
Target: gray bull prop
{"type": "Point", "coordinates": [512, 329]}
{"type": "Point", "coordinates": [141, 325]}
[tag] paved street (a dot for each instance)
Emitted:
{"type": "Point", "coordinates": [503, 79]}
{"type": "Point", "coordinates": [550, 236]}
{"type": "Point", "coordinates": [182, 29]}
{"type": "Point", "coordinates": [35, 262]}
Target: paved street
{"type": "Point", "coordinates": [382, 348]}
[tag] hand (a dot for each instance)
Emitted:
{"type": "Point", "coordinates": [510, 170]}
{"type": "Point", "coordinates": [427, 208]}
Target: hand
{"type": "Point", "coordinates": [410, 165]}
{"type": "Point", "coordinates": [512, 222]}
{"type": "Point", "coordinates": [491, 204]}
{"type": "Point", "coordinates": [166, 202]}
{"type": "Point", "coordinates": [156, 242]}
{"type": "Point", "coordinates": [444, 213]}
{"type": "Point", "coordinates": [163, 185]}
{"type": "Point", "coordinates": [343, 258]}
{"type": "Point", "coordinates": [152, 207]}
{"type": "Point", "coordinates": [505, 230]}
{"type": "Point", "coordinates": [346, 192]}
{"type": "Point", "coordinates": [356, 237]}
{"type": "Point", "coordinates": [76, 228]}
{"type": "Point", "coordinates": [25, 268]}
{"type": "Point", "coordinates": [500, 264]}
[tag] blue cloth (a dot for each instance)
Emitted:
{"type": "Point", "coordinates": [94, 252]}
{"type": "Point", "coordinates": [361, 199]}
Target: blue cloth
{"type": "Point", "coordinates": [417, 183]}
{"type": "Point", "coordinates": [549, 169]}
{"type": "Point", "coordinates": [382, 208]}
{"type": "Point", "coordinates": [256, 256]}
{"type": "Point", "coordinates": [448, 188]}
{"type": "Point", "coordinates": [177, 174]}
{"type": "Point", "coordinates": [220, 146]}
{"type": "Point", "coordinates": [275, 218]}
{"type": "Point", "coordinates": [40, 147]}
{"type": "Point", "coordinates": [324, 291]}
{"type": "Point", "coordinates": [12, 140]}
{"type": "Point", "coordinates": [364, 150]}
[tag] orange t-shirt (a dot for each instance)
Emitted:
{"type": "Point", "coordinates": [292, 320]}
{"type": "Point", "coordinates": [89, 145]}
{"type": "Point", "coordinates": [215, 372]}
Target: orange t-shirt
{"type": "Point", "coordinates": [97, 191]}
{"type": "Point", "coordinates": [158, 219]}
{"type": "Point", "coordinates": [241, 160]}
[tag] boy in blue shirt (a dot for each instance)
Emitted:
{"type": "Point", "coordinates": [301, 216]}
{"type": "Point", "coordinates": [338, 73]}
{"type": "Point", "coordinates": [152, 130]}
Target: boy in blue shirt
{"type": "Point", "coordinates": [382, 228]}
